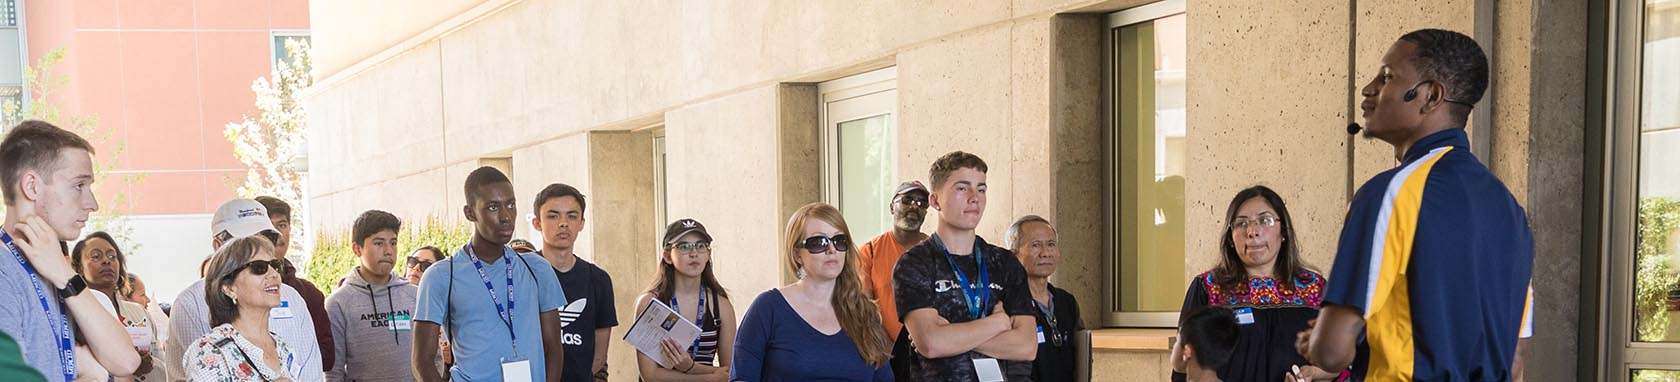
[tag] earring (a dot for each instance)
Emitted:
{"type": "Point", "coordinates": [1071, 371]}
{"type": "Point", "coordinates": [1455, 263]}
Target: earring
{"type": "Point", "coordinates": [234, 298]}
{"type": "Point", "coordinates": [800, 273]}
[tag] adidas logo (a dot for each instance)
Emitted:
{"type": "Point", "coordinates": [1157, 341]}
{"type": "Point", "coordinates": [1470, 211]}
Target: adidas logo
{"type": "Point", "coordinates": [572, 311]}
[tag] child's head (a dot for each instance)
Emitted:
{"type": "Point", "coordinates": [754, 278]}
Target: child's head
{"type": "Point", "coordinates": [1209, 335]}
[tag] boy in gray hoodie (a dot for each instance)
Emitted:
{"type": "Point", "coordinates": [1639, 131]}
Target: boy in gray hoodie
{"type": "Point", "coordinates": [373, 313]}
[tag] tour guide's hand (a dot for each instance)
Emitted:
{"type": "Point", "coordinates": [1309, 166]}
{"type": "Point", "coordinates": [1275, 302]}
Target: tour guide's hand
{"type": "Point", "coordinates": [1308, 373]}
{"type": "Point", "coordinates": [680, 361]}
{"type": "Point", "coordinates": [1304, 338]}
{"type": "Point", "coordinates": [40, 245]}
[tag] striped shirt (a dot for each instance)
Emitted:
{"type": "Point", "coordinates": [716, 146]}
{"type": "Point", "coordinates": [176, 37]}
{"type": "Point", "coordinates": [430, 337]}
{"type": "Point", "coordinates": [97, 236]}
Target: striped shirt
{"type": "Point", "coordinates": [1436, 254]}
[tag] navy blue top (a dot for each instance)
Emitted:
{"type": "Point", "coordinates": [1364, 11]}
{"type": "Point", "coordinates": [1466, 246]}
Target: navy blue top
{"type": "Point", "coordinates": [775, 344]}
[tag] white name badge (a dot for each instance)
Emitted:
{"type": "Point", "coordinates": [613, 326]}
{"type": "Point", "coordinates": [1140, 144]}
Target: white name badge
{"type": "Point", "coordinates": [402, 322]}
{"type": "Point", "coordinates": [281, 312]}
{"type": "Point", "coordinates": [987, 370]}
{"type": "Point", "coordinates": [1041, 334]}
{"type": "Point", "coordinates": [141, 336]}
{"type": "Point", "coordinates": [1245, 316]}
{"type": "Point", "coordinates": [516, 370]}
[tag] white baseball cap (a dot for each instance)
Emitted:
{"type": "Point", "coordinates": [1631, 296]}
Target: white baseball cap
{"type": "Point", "coordinates": [239, 218]}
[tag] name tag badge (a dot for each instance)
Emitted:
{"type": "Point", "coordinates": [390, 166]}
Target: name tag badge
{"type": "Point", "coordinates": [1040, 334]}
{"type": "Point", "coordinates": [1245, 316]}
{"type": "Point", "coordinates": [516, 369]}
{"type": "Point", "coordinates": [283, 311]}
{"type": "Point", "coordinates": [987, 370]}
{"type": "Point", "coordinates": [141, 336]}
{"type": "Point", "coordinates": [402, 322]}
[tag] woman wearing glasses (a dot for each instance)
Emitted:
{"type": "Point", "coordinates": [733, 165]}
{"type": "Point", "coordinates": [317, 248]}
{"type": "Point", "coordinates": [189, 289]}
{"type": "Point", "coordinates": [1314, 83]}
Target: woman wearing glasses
{"type": "Point", "coordinates": [823, 319]}
{"type": "Point", "coordinates": [1033, 240]}
{"type": "Point", "coordinates": [1261, 278]}
{"type": "Point", "coordinates": [685, 283]}
{"type": "Point", "coordinates": [419, 260]}
{"type": "Point", "coordinates": [102, 264]}
{"type": "Point", "coordinates": [241, 287]}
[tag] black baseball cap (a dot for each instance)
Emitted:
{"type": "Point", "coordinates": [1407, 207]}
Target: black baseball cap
{"type": "Point", "coordinates": [683, 227]}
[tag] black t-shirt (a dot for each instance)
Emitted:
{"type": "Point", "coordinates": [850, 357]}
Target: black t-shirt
{"type": "Point", "coordinates": [1057, 363]}
{"type": "Point", "coordinates": [591, 307]}
{"type": "Point", "coordinates": [924, 278]}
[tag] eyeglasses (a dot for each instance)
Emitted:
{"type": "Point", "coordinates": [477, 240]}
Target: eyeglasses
{"type": "Point", "coordinates": [691, 247]}
{"type": "Point", "coordinates": [257, 267]}
{"type": "Point", "coordinates": [1244, 223]}
{"type": "Point", "coordinates": [417, 263]}
{"type": "Point", "coordinates": [913, 201]}
{"type": "Point", "coordinates": [109, 257]}
{"type": "Point", "coordinates": [820, 244]}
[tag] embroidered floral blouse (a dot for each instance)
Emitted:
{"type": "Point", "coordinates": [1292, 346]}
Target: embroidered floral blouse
{"type": "Point", "coordinates": [224, 355]}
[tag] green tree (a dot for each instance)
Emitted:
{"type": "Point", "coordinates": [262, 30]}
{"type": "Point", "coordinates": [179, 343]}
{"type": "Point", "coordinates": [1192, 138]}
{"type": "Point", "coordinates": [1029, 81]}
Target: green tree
{"type": "Point", "coordinates": [272, 145]}
{"type": "Point", "coordinates": [43, 83]}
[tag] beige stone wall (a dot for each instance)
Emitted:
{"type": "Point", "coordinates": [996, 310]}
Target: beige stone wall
{"type": "Point", "coordinates": [557, 87]}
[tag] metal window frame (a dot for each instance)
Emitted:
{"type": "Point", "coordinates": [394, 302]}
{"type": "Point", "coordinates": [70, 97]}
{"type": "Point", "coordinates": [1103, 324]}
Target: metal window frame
{"type": "Point", "coordinates": [273, 48]}
{"type": "Point", "coordinates": [1112, 315]}
{"type": "Point", "coordinates": [843, 89]}
{"type": "Point", "coordinates": [1624, 59]}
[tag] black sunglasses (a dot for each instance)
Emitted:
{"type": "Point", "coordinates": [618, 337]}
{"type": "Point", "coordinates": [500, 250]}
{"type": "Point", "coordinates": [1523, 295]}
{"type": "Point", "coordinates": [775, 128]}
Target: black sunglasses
{"type": "Point", "coordinates": [820, 244]}
{"type": "Point", "coordinates": [257, 267]}
{"type": "Point", "coordinates": [415, 261]}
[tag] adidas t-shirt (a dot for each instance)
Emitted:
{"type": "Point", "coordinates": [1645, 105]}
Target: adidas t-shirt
{"type": "Point", "coordinates": [591, 308]}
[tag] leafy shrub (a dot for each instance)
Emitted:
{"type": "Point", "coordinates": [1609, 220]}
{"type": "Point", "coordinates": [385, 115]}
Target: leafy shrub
{"type": "Point", "coordinates": [333, 257]}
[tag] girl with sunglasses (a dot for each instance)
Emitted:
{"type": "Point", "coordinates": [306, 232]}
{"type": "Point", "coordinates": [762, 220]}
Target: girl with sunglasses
{"type": "Point", "coordinates": [685, 282]}
{"type": "Point", "coordinates": [241, 287]}
{"type": "Point", "coordinates": [822, 319]}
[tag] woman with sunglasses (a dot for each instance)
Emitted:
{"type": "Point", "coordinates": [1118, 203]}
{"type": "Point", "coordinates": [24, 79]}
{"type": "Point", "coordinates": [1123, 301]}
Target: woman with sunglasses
{"type": "Point", "coordinates": [822, 319]}
{"type": "Point", "coordinates": [685, 283]}
{"type": "Point", "coordinates": [103, 265]}
{"type": "Point", "coordinates": [1261, 278]}
{"type": "Point", "coordinates": [421, 259]}
{"type": "Point", "coordinates": [1033, 240]}
{"type": "Point", "coordinates": [241, 287]}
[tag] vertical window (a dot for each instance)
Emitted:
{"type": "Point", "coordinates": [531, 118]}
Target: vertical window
{"type": "Point", "coordinates": [1146, 159]}
{"type": "Point", "coordinates": [1643, 322]}
{"type": "Point", "coordinates": [282, 52]}
{"type": "Point", "coordinates": [860, 144]}
{"type": "Point", "coordinates": [661, 200]}
{"type": "Point", "coordinates": [12, 62]}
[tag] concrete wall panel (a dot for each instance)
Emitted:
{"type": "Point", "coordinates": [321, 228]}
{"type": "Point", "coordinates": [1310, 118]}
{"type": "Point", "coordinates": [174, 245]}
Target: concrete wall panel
{"type": "Point", "coordinates": [1267, 86]}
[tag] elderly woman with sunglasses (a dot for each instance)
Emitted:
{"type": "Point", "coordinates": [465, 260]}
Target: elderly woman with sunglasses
{"type": "Point", "coordinates": [241, 287]}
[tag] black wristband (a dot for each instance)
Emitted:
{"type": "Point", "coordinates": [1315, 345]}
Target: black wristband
{"type": "Point", "coordinates": [73, 287]}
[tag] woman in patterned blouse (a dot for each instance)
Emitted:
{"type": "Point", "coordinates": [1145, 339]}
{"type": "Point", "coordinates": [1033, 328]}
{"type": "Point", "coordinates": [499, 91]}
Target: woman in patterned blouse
{"type": "Point", "coordinates": [1261, 278]}
{"type": "Point", "coordinates": [242, 285]}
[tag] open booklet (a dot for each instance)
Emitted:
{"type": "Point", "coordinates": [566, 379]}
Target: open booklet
{"type": "Point", "coordinates": [655, 324]}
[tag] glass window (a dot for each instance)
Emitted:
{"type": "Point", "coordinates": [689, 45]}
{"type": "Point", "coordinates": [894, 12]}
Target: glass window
{"type": "Point", "coordinates": [1644, 375]}
{"type": "Point", "coordinates": [1657, 255]}
{"type": "Point", "coordinates": [859, 115]}
{"type": "Point", "coordinates": [281, 51]}
{"type": "Point", "coordinates": [1146, 165]}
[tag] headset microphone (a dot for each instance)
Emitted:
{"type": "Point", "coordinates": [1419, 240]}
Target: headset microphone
{"type": "Point", "coordinates": [1353, 128]}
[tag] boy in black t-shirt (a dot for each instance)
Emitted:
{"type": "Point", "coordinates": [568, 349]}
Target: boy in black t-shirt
{"type": "Point", "coordinates": [587, 320]}
{"type": "Point", "coordinates": [965, 303]}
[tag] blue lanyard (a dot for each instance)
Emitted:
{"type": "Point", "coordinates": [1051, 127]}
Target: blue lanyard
{"type": "Point", "coordinates": [699, 316]}
{"type": "Point", "coordinates": [505, 315]}
{"type": "Point", "coordinates": [976, 295]}
{"type": "Point", "coordinates": [66, 350]}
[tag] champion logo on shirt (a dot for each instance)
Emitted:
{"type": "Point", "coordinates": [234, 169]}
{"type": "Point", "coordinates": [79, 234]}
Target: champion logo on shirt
{"type": "Point", "coordinates": [942, 286]}
{"type": "Point", "coordinates": [572, 311]}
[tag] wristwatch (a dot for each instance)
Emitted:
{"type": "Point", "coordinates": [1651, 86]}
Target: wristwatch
{"type": "Point", "coordinates": [73, 287]}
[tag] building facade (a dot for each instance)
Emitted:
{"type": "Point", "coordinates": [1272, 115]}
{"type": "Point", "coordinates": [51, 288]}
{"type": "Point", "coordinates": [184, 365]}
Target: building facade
{"type": "Point", "coordinates": [1129, 123]}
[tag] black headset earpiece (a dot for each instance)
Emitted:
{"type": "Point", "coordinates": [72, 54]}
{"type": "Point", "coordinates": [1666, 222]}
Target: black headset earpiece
{"type": "Point", "coordinates": [1410, 94]}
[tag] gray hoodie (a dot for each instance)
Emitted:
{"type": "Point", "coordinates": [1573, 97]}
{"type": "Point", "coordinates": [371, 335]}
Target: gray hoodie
{"type": "Point", "coordinates": [373, 329]}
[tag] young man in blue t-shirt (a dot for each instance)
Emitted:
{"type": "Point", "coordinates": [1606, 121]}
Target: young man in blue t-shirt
{"type": "Point", "coordinates": [490, 299]}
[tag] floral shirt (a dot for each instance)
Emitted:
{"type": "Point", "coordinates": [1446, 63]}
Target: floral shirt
{"type": "Point", "coordinates": [221, 355]}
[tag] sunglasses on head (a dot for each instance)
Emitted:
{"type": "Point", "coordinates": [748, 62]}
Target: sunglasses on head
{"type": "Point", "coordinates": [257, 267]}
{"type": "Point", "coordinates": [820, 244]}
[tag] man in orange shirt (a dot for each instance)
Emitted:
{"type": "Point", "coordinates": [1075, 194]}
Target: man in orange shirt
{"type": "Point", "coordinates": [878, 256]}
